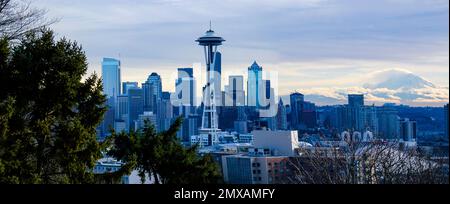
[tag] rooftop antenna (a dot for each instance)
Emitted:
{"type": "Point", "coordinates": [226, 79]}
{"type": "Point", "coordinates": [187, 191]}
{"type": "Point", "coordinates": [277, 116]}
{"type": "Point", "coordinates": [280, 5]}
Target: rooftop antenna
{"type": "Point", "coordinates": [210, 27]}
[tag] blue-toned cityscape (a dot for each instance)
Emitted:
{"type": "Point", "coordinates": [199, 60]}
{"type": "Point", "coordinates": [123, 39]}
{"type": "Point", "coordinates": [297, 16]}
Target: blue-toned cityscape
{"type": "Point", "coordinates": [254, 134]}
{"type": "Point", "coordinates": [212, 92]}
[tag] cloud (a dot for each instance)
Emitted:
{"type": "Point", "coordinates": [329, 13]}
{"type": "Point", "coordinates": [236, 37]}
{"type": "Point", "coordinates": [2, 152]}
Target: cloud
{"type": "Point", "coordinates": [310, 43]}
{"type": "Point", "coordinates": [414, 91]}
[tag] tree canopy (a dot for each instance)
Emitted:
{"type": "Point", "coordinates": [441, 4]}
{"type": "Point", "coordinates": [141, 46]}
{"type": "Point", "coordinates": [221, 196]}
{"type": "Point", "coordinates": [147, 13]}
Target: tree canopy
{"type": "Point", "coordinates": [48, 115]}
{"type": "Point", "coordinates": [162, 157]}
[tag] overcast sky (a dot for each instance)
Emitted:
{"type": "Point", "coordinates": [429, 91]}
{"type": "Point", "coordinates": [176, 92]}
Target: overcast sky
{"type": "Point", "coordinates": [311, 43]}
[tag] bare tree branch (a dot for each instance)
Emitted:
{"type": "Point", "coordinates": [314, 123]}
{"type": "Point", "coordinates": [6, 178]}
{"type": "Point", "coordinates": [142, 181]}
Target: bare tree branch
{"type": "Point", "coordinates": [18, 17]}
{"type": "Point", "coordinates": [366, 163]}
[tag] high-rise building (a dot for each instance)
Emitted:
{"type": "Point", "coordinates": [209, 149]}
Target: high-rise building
{"type": "Point", "coordinates": [356, 100]}
{"type": "Point", "coordinates": [297, 102]}
{"type": "Point", "coordinates": [152, 89]}
{"type": "Point", "coordinates": [146, 117]}
{"type": "Point", "coordinates": [370, 119]}
{"type": "Point", "coordinates": [267, 106]}
{"type": "Point", "coordinates": [135, 105]}
{"type": "Point", "coordinates": [111, 88]}
{"type": "Point", "coordinates": [149, 97]}
{"type": "Point", "coordinates": [121, 121]}
{"type": "Point", "coordinates": [268, 91]}
{"type": "Point", "coordinates": [309, 119]}
{"type": "Point", "coordinates": [408, 130]}
{"type": "Point", "coordinates": [355, 112]}
{"type": "Point", "coordinates": [185, 87]}
{"type": "Point", "coordinates": [218, 76]}
{"type": "Point", "coordinates": [111, 77]}
{"type": "Point", "coordinates": [446, 121]}
{"type": "Point", "coordinates": [309, 115]}
{"type": "Point", "coordinates": [358, 119]}
{"type": "Point", "coordinates": [254, 85]}
{"type": "Point", "coordinates": [234, 92]}
{"type": "Point", "coordinates": [190, 127]}
{"type": "Point", "coordinates": [281, 116]}
{"type": "Point", "coordinates": [165, 112]}
{"type": "Point", "coordinates": [240, 125]}
{"type": "Point", "coordinates": [388, 123]}
{"type": "Point", "coordinates": [355, 116]}
{"type": "Point", "coordinates": [127, 85]}
{"type": "Point", "coordinates": [309, 106]}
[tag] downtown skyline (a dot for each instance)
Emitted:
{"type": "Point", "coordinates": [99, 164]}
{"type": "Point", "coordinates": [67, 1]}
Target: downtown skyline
{"type": "Point", "coordinates": [264, 92]}
{"type": "Point", "coordinates": [307, 40]}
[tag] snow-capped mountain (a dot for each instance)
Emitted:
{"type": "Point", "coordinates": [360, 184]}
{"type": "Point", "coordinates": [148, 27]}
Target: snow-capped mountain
{"type": "Point", "coordinates": [386, 86]}
{"type": "Point", "coordinates": [395, 79]}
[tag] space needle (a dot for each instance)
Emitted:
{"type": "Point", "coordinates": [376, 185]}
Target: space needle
{"type": "Point", "coordinates": [210, 42]}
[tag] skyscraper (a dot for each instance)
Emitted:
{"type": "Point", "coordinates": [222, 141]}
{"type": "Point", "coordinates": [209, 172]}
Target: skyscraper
{"type": "Point", "coordinates": [267, 107]}
{"type": "Point", "coordinates": [152, 89]}
{"type": "Point", "coordinates": [218, 76]}
{"type": "Point", "coordinates": [149, 98]}
{"type": "Point", "coordinates": [370, 118]}
{"type": "Point", "coordinates": [127, 85]}
{"type": "Point", "coordinates": [268, 87]}
{"type": "Point", "coordinates": [240, 125]}
{"type": "Point", "coordinates": [111, 88]}
{"type": "Point", "coordinates": [165, 112]}
{"type": "Point", "coordinates": [190, 127]}
{"type": "Point", "coordinates": [352, 115]}
{"type": "Point", "coordinates": [356, 100]}
{"type": "Point", "coordinates": [135, 105]}
{"type": "Point", "coordinates": [281, 116]}
{"type": "Point", "coordinates": [185, 87]}
{"type": "Point", "coordinates": [254, 85]}
{"type": "Point", "coordinates": [121, 122]}
{"type": "Point", "coordinates": [111, 77]}
{"type": "Point", "coordinates": [355, 116]}
{"type": "Point", "coordinates": [297, 101]}
{"type": "Point", "coordinates": [235, 94]}
{"type": "Point", "coordinates": [408, 130]}
{"type": "Point", "coordinates": [388, 122]}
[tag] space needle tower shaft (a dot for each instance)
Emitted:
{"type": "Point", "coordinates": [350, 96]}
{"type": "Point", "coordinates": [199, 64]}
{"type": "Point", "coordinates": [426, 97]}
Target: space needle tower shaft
{"type": "Point", "coordinates": [210, 43]}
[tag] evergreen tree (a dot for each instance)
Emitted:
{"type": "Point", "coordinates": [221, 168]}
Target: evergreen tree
{"type": "Point", "coordinates": [163, 157]}
{"type": "Point", "coordinates": [48, 116]}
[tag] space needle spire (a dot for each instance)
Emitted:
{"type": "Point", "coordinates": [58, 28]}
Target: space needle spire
{"type": "Point", "coordinates": [210, 42]}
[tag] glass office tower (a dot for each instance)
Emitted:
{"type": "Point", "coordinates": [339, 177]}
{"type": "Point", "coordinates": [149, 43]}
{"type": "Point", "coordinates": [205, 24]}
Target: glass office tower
{"type": "Point", "coordinates": [111, 88]}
